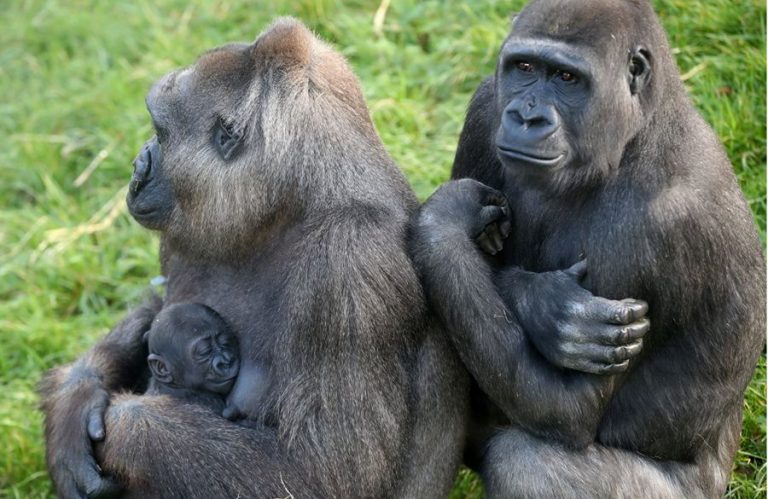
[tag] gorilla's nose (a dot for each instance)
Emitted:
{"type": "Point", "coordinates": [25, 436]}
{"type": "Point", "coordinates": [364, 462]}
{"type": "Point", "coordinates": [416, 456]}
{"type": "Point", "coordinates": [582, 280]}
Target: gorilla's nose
{"type": "Point", "coordinates": [142, 166]}
{"type": "Point", "coordinates": [221, 366]}
{"type": "Point", "coordinates": [530, 122]}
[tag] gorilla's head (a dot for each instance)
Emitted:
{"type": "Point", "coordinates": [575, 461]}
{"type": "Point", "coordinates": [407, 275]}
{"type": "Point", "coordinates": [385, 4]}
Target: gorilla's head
{"type": "Point", "coordinates": [249, 138]}
{"type": "Point", "coordinates": [576, 82]}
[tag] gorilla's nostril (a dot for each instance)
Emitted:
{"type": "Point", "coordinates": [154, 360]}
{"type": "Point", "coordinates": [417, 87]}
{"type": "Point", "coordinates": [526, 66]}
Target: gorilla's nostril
{"type": "Point", "coordinates": [142, 167]}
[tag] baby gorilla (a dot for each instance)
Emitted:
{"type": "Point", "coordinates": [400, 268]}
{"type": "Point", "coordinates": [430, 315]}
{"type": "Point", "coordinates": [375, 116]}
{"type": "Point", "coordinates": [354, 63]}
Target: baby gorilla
{"type": "Point", "coordinates": [193, 354]}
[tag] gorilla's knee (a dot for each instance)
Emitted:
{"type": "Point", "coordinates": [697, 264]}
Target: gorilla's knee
{"type": "Point", "coordinates": [509, 464]}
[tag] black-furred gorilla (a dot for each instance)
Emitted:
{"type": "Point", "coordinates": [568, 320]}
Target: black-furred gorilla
{"type": "Point", "coordinates": [280, 209]}
{"type": "Point", "coordinates": [587, 131]}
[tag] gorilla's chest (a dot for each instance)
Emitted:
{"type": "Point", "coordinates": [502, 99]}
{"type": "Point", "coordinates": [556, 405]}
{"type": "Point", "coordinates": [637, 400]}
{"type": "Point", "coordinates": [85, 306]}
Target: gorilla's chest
{"type": "Point", "coordinates": [550, 235]}
{"type": "Point", "coordinates": [547, 238]}
{"type": "Point", "coordinates": [245, 295]}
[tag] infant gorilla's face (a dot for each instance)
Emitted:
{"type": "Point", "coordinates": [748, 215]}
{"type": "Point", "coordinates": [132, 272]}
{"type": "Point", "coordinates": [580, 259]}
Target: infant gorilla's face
{"type": "Point", "coordinates": [211, 363]}
{"type": "Point", "coordinates": [192, 347]}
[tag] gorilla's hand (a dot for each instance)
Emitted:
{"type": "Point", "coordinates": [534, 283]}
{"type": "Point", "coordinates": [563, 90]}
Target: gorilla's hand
{"type": "Point", "coordinates": [471, 208]}
{"type": "Point", "coordinates": [570, 326]}
{"type": "Point", "coordinates": [75, 420]}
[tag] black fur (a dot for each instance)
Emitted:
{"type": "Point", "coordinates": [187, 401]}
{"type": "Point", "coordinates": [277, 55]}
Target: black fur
{"type": "Point", "coordinates": [645, 193]}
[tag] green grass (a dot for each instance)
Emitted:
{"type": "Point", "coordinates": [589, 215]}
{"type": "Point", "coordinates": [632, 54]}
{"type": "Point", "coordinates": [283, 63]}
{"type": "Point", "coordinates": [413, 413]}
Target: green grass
{"type": "Point", "coordinates": [72, 79]}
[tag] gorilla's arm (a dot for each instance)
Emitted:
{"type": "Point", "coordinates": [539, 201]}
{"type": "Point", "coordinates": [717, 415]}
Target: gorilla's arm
{"type": "Point", "coordinates": [146, 434]}
{"type": "Point", "coordinates": [556, 313]}
{"type": "Point", "coordinates": [570, 326]}
{"type": "Point", "coordinates": [487, 334]}
{"type": "Point", "coordinates": [75, 397]}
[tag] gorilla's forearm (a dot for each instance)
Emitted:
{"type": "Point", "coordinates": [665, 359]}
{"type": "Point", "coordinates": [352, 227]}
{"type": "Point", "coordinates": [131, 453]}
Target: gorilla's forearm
{"type": "Point", "coordinates": [494, 349]}
{"type": "Point", "coordinates": [248, 461]}
{"type": "Point", "coordinates": [75, 397]}
{"type": "Point", "coordinates": [568, 325]}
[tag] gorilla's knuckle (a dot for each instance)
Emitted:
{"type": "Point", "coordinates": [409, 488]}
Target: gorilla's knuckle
{"type": "Point", "coordinates": [622, 335]}
{"type": "Point", "coordinates": [568, 349]}
{"type": "Point", "coordinates": [575, 309]}
{"type": "Point", "coordinates": [620, 354]}
{"type": "Point", "coordinates": [621, 314]}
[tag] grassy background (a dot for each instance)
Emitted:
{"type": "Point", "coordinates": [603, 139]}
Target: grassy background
{"type": "Point", "coordinates": [72, 79]}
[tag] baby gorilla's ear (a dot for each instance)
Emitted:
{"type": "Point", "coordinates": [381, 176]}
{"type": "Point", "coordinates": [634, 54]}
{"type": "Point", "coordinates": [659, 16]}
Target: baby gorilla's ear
{"type": "Point", "coordinates": [159, 368]}
{"type": "Point", "coordinates": [145, 338]}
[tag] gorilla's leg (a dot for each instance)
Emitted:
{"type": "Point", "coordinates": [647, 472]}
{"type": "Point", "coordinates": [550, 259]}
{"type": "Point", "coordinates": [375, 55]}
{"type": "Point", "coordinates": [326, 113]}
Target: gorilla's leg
{"type": "Point", "coordinates": [157, 447]}
{"type": "Point", "coordinates": [517, 464]}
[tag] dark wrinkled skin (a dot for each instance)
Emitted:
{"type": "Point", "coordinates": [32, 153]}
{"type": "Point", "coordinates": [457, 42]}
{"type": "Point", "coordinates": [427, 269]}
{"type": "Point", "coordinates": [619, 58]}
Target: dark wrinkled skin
{"type": "Point", "coordinates": [596, 265]}
{"type": "Point", "coordinates": [278, 208]}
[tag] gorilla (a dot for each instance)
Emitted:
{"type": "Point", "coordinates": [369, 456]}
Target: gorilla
{"type": "Point", "coordinates": [193, 355]}
{"type": "Point", "coordinates": [279, 208]}
{"type": "Point", "coordinates": [623, 375]}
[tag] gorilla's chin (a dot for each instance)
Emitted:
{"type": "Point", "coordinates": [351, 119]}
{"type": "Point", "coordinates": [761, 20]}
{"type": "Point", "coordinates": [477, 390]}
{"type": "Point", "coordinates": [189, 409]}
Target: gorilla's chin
{"type": "Point", "coordinates": [151, 217]}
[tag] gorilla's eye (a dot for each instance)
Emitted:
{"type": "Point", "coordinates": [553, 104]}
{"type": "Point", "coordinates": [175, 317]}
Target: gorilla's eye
{"type": "Point", "coordinates": [566, 76]}
{"type": "Point", "coordinates": [525, 66]}
{"type": "Point", "coordinates": [203, 350]}
{"type": "Point", "coordinates": [161, 132]}
{"type": "Point", "coordinates": [226, 138]}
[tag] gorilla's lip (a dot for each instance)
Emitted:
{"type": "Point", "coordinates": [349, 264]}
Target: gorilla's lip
{"type": "Point", "coordinates": [143, 213]}
{"type": "Point", "coordinates": [527, 157]}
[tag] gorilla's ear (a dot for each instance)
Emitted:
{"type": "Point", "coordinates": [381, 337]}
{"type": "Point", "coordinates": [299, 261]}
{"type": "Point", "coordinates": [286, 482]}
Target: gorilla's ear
{"type": "Point", "coordinates": [639, 70]}
{"type": "Point", "coordinates": [159, 368]}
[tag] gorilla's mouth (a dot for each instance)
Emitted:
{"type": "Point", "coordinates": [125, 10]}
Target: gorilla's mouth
{"type": "Point", "coordinates": [527, 157]}
{"type": "Point", "coordinates": [142, 213]}
{"type": "Point", "coordinates": [221, 386]}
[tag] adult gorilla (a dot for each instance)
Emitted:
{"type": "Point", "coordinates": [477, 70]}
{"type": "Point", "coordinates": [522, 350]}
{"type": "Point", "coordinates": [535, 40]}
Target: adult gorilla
{"type": "Point", "coordinates": [587, 131]}
{"type": "Point", "coordinates": [280, 209]}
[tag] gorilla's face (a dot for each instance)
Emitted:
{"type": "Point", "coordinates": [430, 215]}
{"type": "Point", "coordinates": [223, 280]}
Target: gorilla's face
{"type": "Point", "coordinates": [237, 138]}
{"type": "Point", "coordinates": [197, 133]}
{"type": "Point", "coordinates": [566, 109]}
{"type": "Point", "coordinates": [192, 347]}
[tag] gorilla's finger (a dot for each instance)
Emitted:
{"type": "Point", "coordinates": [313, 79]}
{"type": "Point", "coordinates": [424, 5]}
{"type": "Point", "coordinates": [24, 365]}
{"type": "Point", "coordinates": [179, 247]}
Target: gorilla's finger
{"type": "Point", "coordinates": [490, 214]}
{"type": "Point", "coordinates": [104, 488]}
{"type": "Point", "coordinates": [486, 244]}
{"type": "Point", "coordinates": [612, 355]}
{"type": "Point", "coordinates": [494, 235]}
{"type": "Point", "coordinates": [629, 310]}
{"type": "Point", "coordinates": [90, 482]}
{"type": "Point", "coordinates": [590, 367]}
{"type": "Point", "coordinates": [495, 197]}
{"type": "Point", "coordinates": [608, 369]}
{"type": "Point", "coordinates": [505, 227]}
{"type": "Point", "coordinates": [615, 312]}
{"type": "Point", "coordinates": [625, 335]}
{"type": "Point", "coordinates": [66, 487]}
{"type": "Point", "coordinates": [578, 270]}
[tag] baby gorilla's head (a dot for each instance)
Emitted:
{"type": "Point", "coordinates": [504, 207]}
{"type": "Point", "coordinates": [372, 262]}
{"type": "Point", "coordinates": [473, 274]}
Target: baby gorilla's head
{"type": "Point", "coordinates": [191, 347]}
